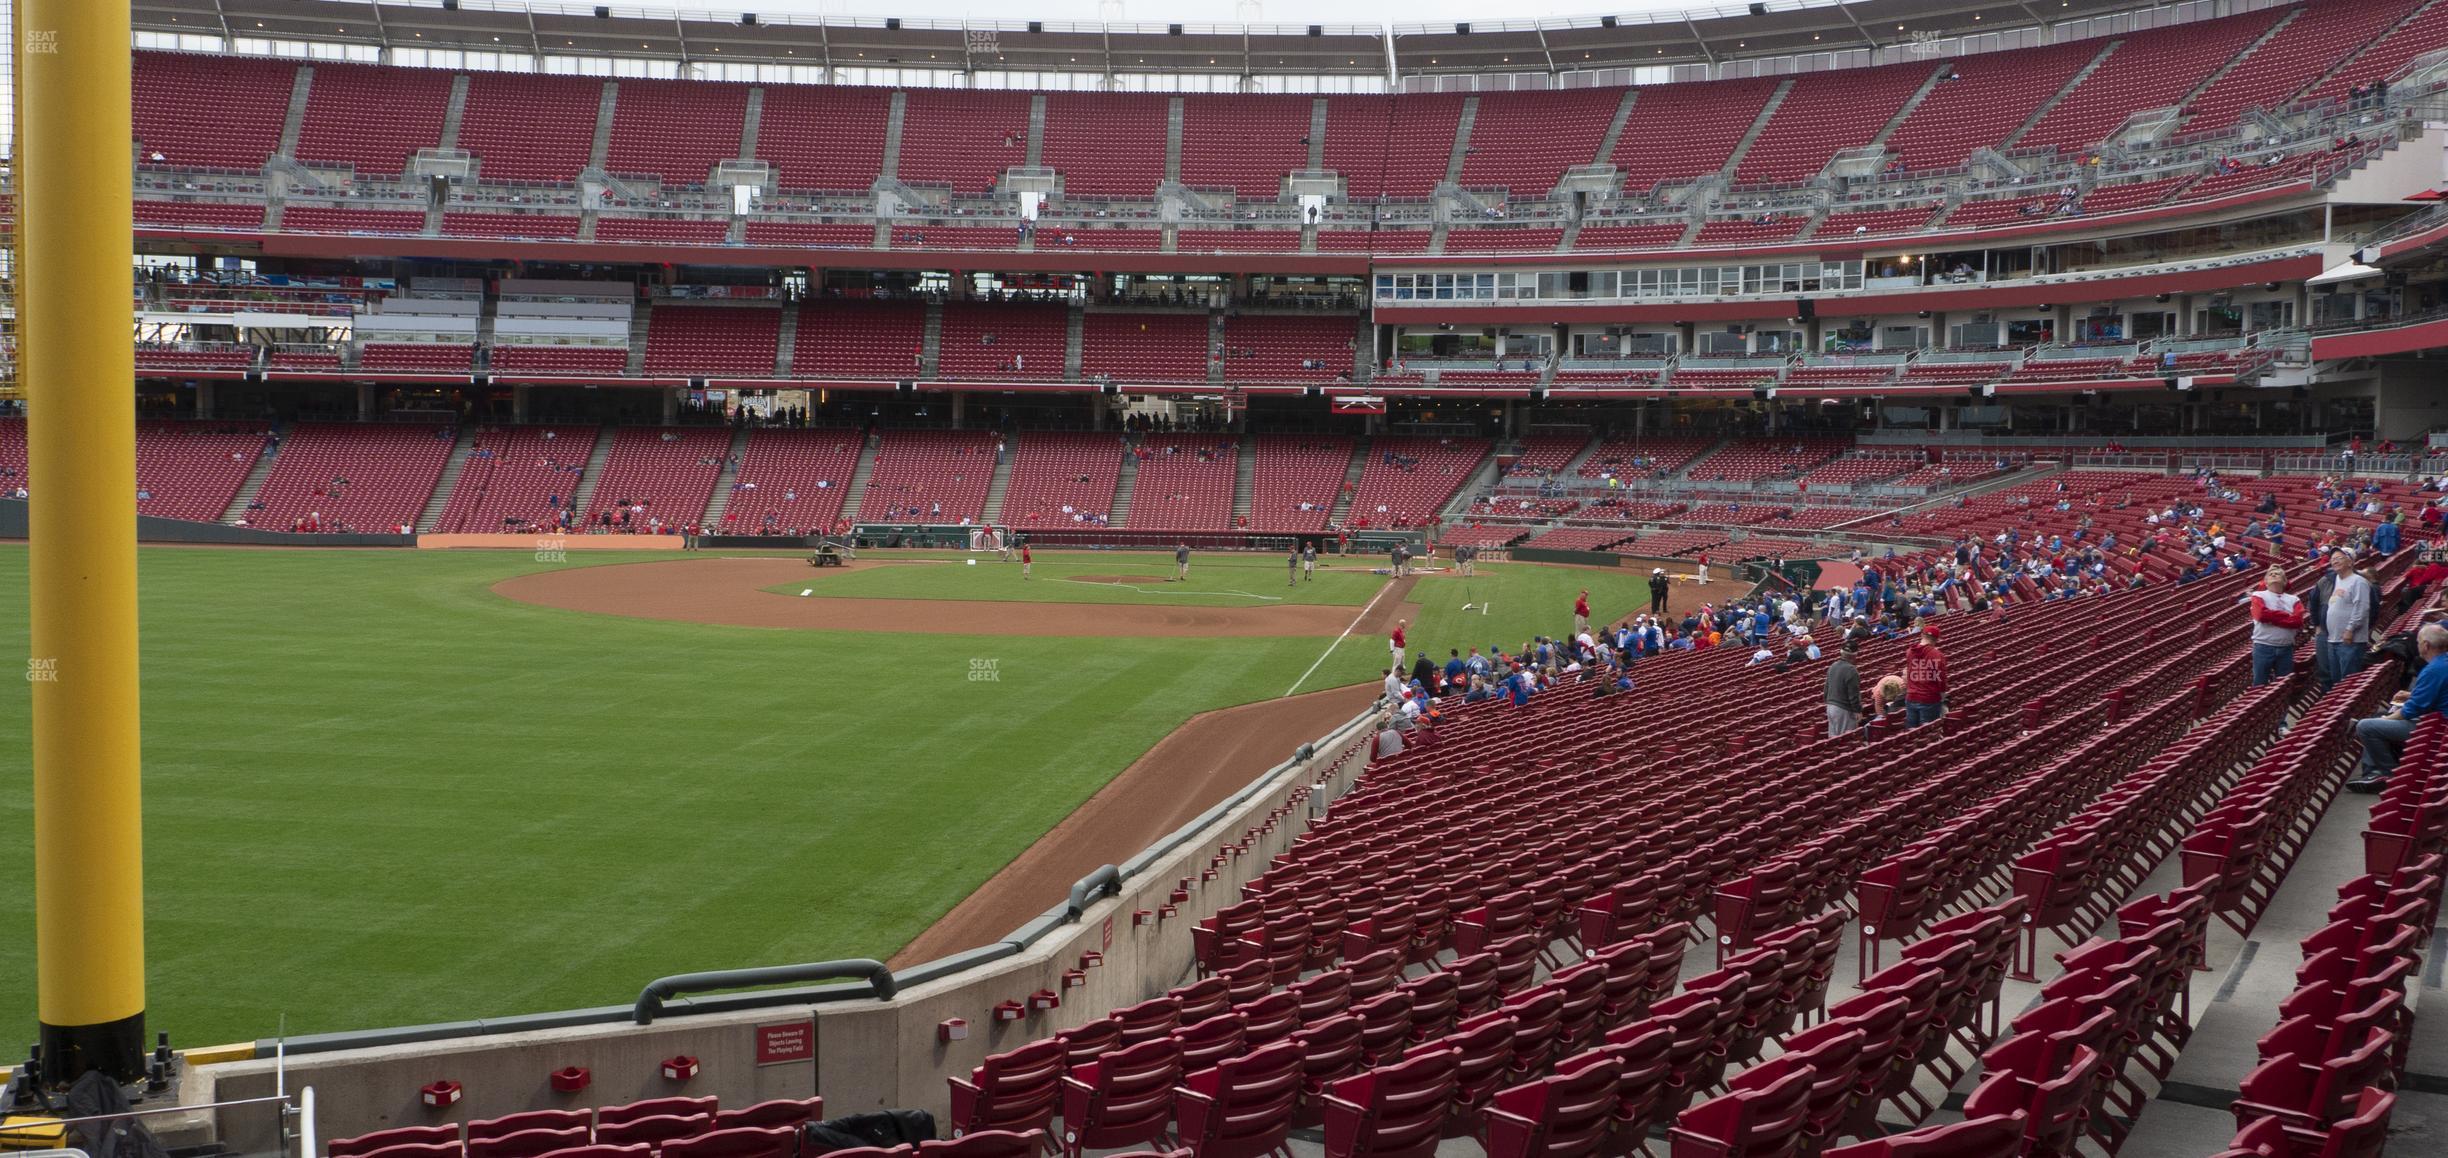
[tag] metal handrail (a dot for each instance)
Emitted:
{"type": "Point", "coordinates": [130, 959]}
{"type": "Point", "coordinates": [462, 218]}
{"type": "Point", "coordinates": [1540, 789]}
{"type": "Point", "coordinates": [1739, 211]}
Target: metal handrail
{"type": "Point", "coordinates": [879, 982]}
{"type": "Point", "coordinates": [150, 1111]}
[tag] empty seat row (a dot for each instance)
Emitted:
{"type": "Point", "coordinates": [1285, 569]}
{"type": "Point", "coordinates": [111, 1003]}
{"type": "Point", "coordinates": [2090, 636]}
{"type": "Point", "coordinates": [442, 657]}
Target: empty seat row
{"type": "Point", "coordinates": [679, 1127]}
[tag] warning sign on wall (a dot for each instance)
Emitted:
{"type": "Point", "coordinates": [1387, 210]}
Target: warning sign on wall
{"type": "Point", "coordinates": [790, 1041]}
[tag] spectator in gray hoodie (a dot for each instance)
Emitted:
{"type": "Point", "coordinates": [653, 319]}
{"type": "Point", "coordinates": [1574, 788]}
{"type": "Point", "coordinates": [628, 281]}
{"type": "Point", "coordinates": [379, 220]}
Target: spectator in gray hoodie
{"type": "Point", "coordinates": [1844, 700]}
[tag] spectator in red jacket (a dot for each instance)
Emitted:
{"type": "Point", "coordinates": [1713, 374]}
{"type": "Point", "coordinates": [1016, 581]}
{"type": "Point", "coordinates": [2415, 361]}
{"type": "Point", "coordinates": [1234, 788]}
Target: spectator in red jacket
{"type": "Point", "coordinates": [2277, 617]}
{"type": "Point", "coordinates": [1925, 680]}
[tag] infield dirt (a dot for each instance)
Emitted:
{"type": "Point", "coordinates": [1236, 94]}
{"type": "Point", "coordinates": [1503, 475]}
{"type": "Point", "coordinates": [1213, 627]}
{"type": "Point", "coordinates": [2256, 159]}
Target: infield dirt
{"type": "Point", "coordinates": [731, 591]}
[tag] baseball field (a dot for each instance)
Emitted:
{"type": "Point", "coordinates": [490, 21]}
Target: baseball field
{"type": "Point", "coordinates": [391, 787]}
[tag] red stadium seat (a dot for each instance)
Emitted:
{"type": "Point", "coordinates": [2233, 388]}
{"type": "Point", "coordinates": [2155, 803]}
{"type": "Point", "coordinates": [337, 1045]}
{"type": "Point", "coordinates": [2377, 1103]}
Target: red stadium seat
{"type": "Point", "coordinates": [1242, 1107]}
{"type": "Point", "coordinates": [1018, 1090]}
{"type": "Point", "coordinates": [988, 1144]}
{"type": "Point", "coordinates": [1396, 1111]}
{"type": "Point", "coordinates": [1122, 1098]}
{"type": "Point", "coordinates": [525, 1143]}
{"type": "Point", "coordinates": [788, 1112]}
{"type": "Point", "coordinates": [485, 1129]}
{"type": "Point", "coordinates": [740, 1142]}
{"type": "Point", "coordinates": [362, 1144]}
{"type": "Point", "coordinates": [1567, 1116]}
{"type": "Point", "coordinates": [654, 1130]}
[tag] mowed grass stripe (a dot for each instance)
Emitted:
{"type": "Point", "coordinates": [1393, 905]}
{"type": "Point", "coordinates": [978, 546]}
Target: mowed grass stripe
{"type": "Point", "coordinates": [1522, 600]}
{"type": "Point", "coordinates": [377, 794]}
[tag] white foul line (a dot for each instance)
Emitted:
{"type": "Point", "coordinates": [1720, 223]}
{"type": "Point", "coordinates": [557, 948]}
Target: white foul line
{"type": "Point", "coordinates": [1347, 630]}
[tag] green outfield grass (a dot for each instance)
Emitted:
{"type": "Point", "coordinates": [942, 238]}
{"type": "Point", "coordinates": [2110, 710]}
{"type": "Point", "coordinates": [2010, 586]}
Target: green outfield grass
{"type": "Point", "coordinates": [1510, 602]}
{"type": "Point", "coordinates": [376, 793]}
{"type": "Point", "coordinates": [1216, 580]}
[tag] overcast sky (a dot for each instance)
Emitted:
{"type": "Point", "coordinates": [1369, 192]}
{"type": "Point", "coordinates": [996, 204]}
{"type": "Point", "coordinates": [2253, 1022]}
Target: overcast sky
{"type": "Point", "coordinates": [1199, 11]}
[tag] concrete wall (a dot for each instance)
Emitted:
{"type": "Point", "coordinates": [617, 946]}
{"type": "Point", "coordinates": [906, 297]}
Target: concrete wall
{"type": "Point", "coordinates": [2409, 402]}
{"type": "Point", "coordinates": [868, 1054]}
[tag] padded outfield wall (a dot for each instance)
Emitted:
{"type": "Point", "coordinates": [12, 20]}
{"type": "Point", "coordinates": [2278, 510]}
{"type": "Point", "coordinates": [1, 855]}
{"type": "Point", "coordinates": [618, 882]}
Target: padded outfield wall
{"type": "Point", "coordinates": [153, 530]}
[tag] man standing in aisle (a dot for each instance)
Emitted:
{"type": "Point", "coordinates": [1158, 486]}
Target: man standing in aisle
{"type": "Point", "coordinates": [1658, 584]}
{"type": "Point", "coordinates": [1924, 680]}
{"type": "Point", "coordinates": [1395, 641]}
{"type": "Point", "coordinates": [1581, 613]}
{"type": "Point", "coordinates": [1844, 702]}
{"type": "Point", "coordinates": [2344, 598]}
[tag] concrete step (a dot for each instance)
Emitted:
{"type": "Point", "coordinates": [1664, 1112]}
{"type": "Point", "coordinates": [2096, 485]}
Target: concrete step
{"type": "Point", "coordinates": [2070, 85]}
{"type": "Point", "coordinates": [603, 124]}
{"type": "Point", "coordinates": [934, 339]}
{"type": "Point", "coordinates": [720, 504]}
{"type": "Point", "coordinates": [1245, 467]}
{"type": "Point", "coordinates": [1759, 125]}
{"type": "Point", "coordinates": [582, 499]}
{"type": "Point", "coordinates": [431, 516]}
{"type": "Point", "coordinates": [1173, 139]}
{"type": "Point", "coordinates": [299, 87]}
{"type": "Point", "coordinates": [1000, 484]}
{"type": "Point", "coordinates": [1036, 141]}
{"type": "Point", "coordinates": [639, 318]}
{"type": "Point", "coordinates": [1461, 141]}
{"type": "Point", "coordinates": [454, 112]}
{"type": "Point", "coordinates": [859, 475]}
{"type": "Point", "coordinates": [249, 490]}
{"type": "Point", "coordinates": [892, 145]}
{"type": "Point", "coordinates": [1351, 481]}
{"type": "Point", "coordinates": [1928, 84]}
{"type": "Point", "coordinates": [786, 348]}
{"type": "Point", "coordinates": [1126, 485]}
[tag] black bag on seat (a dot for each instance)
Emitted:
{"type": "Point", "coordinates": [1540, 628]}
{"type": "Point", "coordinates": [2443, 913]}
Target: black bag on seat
{"type": "Point", "coordinates": [879, 1128]}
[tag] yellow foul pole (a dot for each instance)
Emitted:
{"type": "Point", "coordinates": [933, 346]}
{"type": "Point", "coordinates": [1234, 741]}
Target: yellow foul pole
{"type": "Point", "coordinates": [75, 182]}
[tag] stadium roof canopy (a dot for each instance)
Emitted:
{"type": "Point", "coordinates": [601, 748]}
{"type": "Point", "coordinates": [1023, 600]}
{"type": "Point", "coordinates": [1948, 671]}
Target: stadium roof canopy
{"type": "Point", "coordinates": [1700, 35]}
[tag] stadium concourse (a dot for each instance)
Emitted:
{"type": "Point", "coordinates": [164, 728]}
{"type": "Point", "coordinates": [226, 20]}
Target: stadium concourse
{"type": "Point", "coordinates": [1967, 362]}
